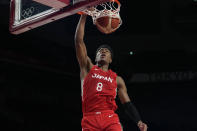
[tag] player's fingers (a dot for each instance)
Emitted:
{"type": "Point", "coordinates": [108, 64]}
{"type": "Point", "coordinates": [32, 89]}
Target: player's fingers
{"type": "Point", "coordinates": [142, 128]}
{"type": "Point", "coordinates": [145, 127]}
{"type": "Point", "coordinates": [91, 8]}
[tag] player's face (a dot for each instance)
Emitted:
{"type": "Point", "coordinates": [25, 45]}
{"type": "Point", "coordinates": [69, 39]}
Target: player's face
{"type": "Point", "coordinates": [103, 55]}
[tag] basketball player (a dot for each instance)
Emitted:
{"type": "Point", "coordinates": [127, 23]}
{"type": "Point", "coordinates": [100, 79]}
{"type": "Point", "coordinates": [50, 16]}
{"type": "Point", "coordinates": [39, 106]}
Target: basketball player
{"type": "Point", "coordinates": [99, 86]}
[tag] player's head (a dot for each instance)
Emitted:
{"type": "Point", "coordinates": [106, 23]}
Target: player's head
{"type": "Point", "coordinates": [104, 54]}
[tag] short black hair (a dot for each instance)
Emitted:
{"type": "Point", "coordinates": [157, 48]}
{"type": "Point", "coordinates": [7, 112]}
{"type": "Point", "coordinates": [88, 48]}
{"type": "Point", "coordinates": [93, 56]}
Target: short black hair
{"type": "Point", "coordinates": [106, 46]}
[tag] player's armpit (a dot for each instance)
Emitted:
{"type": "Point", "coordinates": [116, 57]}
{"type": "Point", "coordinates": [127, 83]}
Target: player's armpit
{"type": "Point", "coordinates": [85, 64]}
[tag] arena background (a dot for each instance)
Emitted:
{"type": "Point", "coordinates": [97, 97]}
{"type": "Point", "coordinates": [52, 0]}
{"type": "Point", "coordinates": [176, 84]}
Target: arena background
{"type": "Point", "coordinates": [155, 52]}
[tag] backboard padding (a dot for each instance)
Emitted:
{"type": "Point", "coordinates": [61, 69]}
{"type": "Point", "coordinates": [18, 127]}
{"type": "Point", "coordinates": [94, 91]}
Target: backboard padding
{"type": "Point", "coordinates": [29, 14]}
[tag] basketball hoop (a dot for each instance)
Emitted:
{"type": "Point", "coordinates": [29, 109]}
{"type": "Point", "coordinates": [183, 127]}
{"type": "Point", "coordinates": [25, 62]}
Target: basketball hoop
{"type": "Point", "coordinates": [108, 9]}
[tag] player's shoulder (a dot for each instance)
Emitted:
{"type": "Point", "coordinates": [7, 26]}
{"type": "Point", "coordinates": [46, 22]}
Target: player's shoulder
{"type": "Point", "coordinates": [119, 79]}
{"type": "Point", "coordinates": [89, 64]}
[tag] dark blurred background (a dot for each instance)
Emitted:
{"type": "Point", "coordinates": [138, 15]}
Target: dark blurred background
{"type": "Point", "coordinates": [155, 52]}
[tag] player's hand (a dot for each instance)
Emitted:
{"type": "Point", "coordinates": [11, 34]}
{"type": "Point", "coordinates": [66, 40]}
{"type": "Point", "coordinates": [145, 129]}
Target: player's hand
{"type": "Point", "coordinates": [91, 8]}
{"type": "Point", "coordinates": [142, 126]}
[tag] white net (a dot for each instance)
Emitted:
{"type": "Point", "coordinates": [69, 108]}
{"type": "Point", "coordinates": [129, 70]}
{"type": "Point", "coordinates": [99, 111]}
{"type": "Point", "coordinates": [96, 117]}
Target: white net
{"type": "Point", "coordinates": [110, 9]}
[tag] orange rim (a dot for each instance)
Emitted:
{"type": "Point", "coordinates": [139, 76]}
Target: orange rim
{"type": "Point", "coordinates": [80, 13]}
{"type": "Point", "coordinates": [115, 1]}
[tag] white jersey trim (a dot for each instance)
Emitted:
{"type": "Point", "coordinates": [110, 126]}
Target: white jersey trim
{"type": "Point", "coordinates": [82, 81]}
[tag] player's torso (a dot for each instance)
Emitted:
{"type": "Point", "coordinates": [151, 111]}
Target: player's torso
{"type": "Point", "coordinates": [99, 90]}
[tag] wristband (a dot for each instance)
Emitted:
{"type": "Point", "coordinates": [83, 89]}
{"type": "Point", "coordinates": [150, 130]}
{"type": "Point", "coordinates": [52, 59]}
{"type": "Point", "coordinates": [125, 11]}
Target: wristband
{"type": "Point", "coordinates": [132, 112]}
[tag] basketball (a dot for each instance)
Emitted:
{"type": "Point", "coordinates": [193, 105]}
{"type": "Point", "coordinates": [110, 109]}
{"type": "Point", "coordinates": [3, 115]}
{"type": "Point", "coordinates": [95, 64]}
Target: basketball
{"type": "Point", "coordinates": [107, 24]}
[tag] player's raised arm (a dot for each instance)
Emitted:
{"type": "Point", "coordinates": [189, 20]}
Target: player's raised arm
{"type": "Point", "coordinates": [130, 109]}
{"type": "Point", "coordinates": [81, 52]}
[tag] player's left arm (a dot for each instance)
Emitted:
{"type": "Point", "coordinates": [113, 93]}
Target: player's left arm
{"type": "Point", "coordinates": [130, 109]}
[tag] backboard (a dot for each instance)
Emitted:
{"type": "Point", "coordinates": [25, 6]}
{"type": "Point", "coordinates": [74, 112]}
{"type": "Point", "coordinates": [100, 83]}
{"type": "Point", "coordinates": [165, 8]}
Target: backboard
{"type": "Point", "coordinates": [29, 14]}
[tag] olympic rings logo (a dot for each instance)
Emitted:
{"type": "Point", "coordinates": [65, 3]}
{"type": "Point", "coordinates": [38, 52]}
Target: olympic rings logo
{"type": "Point", "coordinates": [28, 12]}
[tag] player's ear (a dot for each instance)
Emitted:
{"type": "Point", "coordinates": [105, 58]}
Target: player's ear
{"type": "Point", "coordinates": [95, 58]}
{"type": "Point", "coordinates": [110, 61]}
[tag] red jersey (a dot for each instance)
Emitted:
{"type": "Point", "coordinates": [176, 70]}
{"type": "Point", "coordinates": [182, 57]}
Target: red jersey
{"type": "Point", "coordinates": [99, 89]}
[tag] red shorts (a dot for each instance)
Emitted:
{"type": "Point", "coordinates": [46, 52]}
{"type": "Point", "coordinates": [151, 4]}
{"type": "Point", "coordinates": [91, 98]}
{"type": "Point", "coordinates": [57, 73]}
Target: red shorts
{"type": "Point", "coordinates": [101, 121]}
